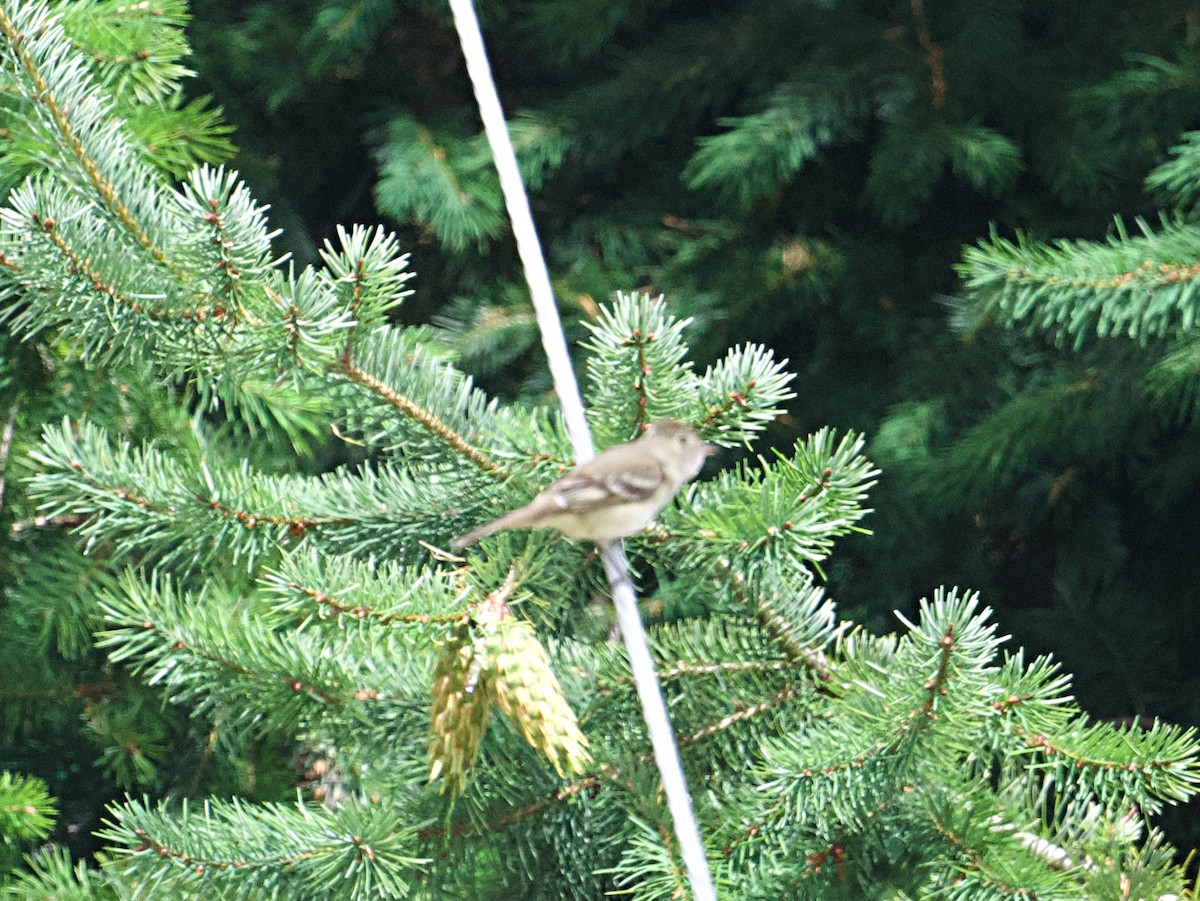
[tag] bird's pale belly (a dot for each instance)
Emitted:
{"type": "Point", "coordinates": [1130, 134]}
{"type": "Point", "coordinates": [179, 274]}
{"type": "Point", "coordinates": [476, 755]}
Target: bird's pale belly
{"type": "Point", "coordinates": [602, 525]}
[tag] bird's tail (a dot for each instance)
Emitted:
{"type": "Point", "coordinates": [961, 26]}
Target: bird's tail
{"type": "Point", "coordinates": [515, 519]}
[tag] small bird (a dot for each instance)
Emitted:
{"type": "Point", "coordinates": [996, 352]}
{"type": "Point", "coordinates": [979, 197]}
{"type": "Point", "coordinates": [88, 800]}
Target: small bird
{"type": "Point", "coordinates": [616, 493]}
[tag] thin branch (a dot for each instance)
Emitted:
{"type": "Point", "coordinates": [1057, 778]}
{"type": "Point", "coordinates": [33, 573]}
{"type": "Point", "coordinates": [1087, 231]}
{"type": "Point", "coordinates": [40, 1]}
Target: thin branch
{"type": "Point", "coordinates": [83, 267]}
{"type": "Point", "coordinates": [337, 607]}
{"type": "Point", "coordinates": [933, 55]}
{"type": "Point", "coordinates": [739, 716]}
{"type": "Point", "coordinates": [427, 418]}
{"type": "Point", "coordinates": [59, 116]}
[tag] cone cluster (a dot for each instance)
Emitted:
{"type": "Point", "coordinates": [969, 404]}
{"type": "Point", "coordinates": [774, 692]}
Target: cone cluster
{"type": "Point", "coordinates": [498, 659]}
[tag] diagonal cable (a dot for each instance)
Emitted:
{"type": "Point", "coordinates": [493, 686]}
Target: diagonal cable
{"type": "Point", "coordinates": [662, 739]}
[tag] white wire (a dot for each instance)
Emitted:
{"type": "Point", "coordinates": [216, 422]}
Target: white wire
{"type": "Point", "coordinates": [528, 246]}
{"type": "Point", "coordinates": [654, 709]}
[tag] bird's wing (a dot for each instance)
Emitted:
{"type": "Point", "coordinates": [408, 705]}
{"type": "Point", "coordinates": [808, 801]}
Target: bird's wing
{"type": "Point", "coordinates": [581, 490]}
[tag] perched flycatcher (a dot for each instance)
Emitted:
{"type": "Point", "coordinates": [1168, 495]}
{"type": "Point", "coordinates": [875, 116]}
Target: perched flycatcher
{"type": "Point", "coordinates": [614, 494]}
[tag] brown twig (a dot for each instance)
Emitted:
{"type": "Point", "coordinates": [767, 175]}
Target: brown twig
{"type": "Point", "coordinates": [934, 57]}
{"type": "Point", "coordinates": [426, 418]}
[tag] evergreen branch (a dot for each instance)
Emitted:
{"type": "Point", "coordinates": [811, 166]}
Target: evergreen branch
{"type": "Point", "coordinates": [368, 273]}
{"type": "Point", "coordinates": [958, 646]}
{"type": "Point", "coordinates": [622, 773]}
{"type": "Point", "coordinates": [1081, 858]}
{"type": "Point", "coordinates": [143, 496]}
{"type": "Point", "coordinates": [785, 603]}
{"type": "Point", "coordinates": [51, 874]}
{"type": "Point", "coordinates": [68, 521]}
{"type": "Point", "coordinates": [399, 511]}
{"type": "Point", "coordinates": [726, 680]}
{"type": "Point", "coordinates": [637, 372]}
{"type": "Point", "coordinates": [793, 613]}
{"type": "Point", "coordinates": [334, 607]}
{"type": "Point", "coordinates": [687, 72]}
{"type": "Point", "coordinates": [178, 512]}
{"type": "Point", "coordinates": [293, 328]}
{"type": "Point", "coordinates": [98, 298]}
{"type": "Point", "coordinates": [959, 643]}
{"type": "Point", "coordinates": [742, 393]}
{"type": "Point", "coordinates": [135, 48]}
{"type": "Point", "coordinates": [650, 863]}
{"type": "Point", "coordinates": [590, 783]}
{"type": "Point", "coordinates": [586, 785]}
{"type": "Point", "coordinates": [1033, 697]}
{"type": "Point", "coordinates": [911, 159]}
{"type": "Point", "coordinates": [295, 527]}
{"type": "Point", "coordinates": [6, 446]}
{"type": "Point", "coordinates": [1142, 766]}
{"type": "Point", "coordinates": [390, 357]}
{"type": "Point", "coordinates": [1076, 416]}
{"type": "Point", "coordinates": [740, 716]}
{"type": "Point", "coordinates": [783, 514]}
{"type": "Point", "coordinates": [844, 789]}
{"type": "Point", "coordinates": [439, 180]}
{"type": "Point", "coordinates": [179, 136]}
{"type": "Point", "coordinates": [639, 341]}
{"type": "Point", "coordinates": [986, 869]}
{"type": "Point", "coordinates": [49, 40]}
{"type": "Point", "coordinates": [782, 598]}
{"type": "Point", "coordinates": [228, 235]}
{"type": "Point", "coordinates": [227, 294]}
{"type": "Point", "coordinates": [783, 632]}
{"type": "Point", "coordinates": [429, 420]}
{"type": "Point", "coordinates": [1142, 287]}
{"type": "Point", "coordinates": [332, 585]}
{"type": "Point", "coordinates": [107, 289]}
{"type": "Point", "coordinates": [1179, 177]}
{"type": "Point", "coordinates": [26, 808]}
{"type": "Point", "coordinates": [541, 144]}
{"type": "Point", "coordinates": [230, 849]}
{"type": "Point", "coordinates": [886, 730]}
{"type": "Point", "coordinates": [682, 668]}
{"type": "Point", "coordinates": [134, 53]}
{"type": "Point", "coordinates": [343, 31]}
{"type": "Point", "coordinates": [762, 152]}
{"type": "Point", "coordinates": [489, 335]}
{"type": "Point", "coordinates": [841, 773]}
{"type": "Point", "coordinates": [207, 652]}
{"type": "Point", "coordinates": [58, 592]}
{"type": "Point", "coordinates": [570, 34]}
{"type": "Point", "coordinates": [108, 300]}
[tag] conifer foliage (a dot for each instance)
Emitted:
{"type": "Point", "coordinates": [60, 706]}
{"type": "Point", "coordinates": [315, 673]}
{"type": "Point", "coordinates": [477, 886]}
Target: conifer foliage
{"type": "Point", "coordinates": [467, 727]}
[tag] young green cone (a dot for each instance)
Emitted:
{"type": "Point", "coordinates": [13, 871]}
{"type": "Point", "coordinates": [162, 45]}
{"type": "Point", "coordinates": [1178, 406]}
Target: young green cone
{"type": "Point", "coordinates": [529, 693]}
{"type": "Point", "coordinates": [459, 715]}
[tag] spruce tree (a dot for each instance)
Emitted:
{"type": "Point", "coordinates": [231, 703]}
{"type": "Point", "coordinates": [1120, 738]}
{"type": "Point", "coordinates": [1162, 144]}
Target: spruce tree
{"type": "Point", "coordinates": [803, 175]}
{"type": "Point", "coordinates": [465, 726]}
